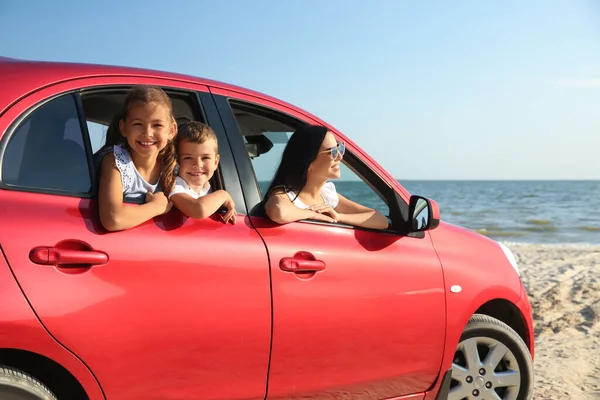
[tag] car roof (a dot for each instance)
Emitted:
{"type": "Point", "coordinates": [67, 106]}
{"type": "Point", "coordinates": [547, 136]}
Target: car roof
{"type": "Point", "coordinates": [21, 77]}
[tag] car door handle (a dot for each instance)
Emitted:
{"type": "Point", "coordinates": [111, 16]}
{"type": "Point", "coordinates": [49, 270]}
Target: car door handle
{"type": "Point", "coordinates": [66, 257]}
{"type": "Point", "coordinates": [290, 264]}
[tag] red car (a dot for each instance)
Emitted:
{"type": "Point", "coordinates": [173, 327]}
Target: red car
{"type": "Point", "coordinates": [197, 309]}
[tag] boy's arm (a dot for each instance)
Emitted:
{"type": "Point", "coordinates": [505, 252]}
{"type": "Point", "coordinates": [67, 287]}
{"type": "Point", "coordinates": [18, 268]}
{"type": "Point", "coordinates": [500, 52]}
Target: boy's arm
{"type": "Point", "coordinates": [201, 207]}
{"type": "Point", "coordinates": [114, 215]}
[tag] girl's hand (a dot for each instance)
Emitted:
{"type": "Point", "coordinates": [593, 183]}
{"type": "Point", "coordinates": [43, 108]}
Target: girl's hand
{"type": "Point", "coordinates": [230, 214]}
{"type": "Point", "coordinates": [326, 209]}
{"type": "Point", "coordinates": [160, 201]}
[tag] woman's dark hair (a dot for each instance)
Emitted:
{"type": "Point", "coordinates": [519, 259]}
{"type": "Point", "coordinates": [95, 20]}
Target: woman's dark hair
{"type": "Point", "coordinates": [300, 151]}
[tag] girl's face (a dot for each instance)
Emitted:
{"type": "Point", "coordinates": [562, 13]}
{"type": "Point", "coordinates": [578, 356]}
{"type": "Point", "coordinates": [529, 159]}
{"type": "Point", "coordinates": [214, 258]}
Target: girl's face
{"type": "Point", "coordinates": [148, 128]}
{"type": "Point", "coordinates": [325, 166]}
{"type": "Point", "coordinates": [197, 162]}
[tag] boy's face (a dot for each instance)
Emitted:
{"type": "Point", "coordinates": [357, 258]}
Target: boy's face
{"type": "Point", "coordinates": [197, 162]}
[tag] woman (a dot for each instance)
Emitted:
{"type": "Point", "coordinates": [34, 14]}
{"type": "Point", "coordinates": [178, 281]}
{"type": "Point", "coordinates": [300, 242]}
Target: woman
{"type": "Point", "coordinates": [300, 189]}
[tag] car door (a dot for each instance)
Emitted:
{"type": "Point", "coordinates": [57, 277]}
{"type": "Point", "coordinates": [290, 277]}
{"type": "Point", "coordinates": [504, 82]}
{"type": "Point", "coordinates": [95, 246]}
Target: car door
{"type": "Point", "coordinates": [172, 309]}
{"type": "Point", "coordinates": [366, 320]}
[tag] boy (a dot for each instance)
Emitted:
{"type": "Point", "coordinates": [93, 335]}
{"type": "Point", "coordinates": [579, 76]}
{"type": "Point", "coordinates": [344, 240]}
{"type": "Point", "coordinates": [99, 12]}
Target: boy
{"type": "Point", "coordinates": [198, 158]}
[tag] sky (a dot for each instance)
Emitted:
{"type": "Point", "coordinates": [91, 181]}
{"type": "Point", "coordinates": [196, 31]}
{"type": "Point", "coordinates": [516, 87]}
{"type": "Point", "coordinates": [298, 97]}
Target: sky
{"type": "Point", "coordinates": [429, 89]}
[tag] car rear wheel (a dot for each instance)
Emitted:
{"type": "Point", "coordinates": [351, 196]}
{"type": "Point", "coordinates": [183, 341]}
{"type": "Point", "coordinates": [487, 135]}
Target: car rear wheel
{"type": "Point", "coordinates": [17, 385]}
{"type": "Point", "coordinates": [491, 362]}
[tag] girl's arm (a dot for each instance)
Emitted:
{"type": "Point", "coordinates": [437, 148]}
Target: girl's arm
{"type": "Point", "coordinates": [205, 206]}
{"type": "Point", "coordinates": [354, 214]}
{"type": "Point", "coordinates": [114, 214]}
{"type": "Point", "coordinates": [281, 210]}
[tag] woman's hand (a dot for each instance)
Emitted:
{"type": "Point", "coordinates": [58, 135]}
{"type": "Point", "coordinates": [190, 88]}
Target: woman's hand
{"type": "Point", "coordinates": [320, 217]}
{"type": "Point", "coordinates": [160, 201]}
{"type": "Point", "coordinates": [326, 209]}
{"type": "Point", "coordinates": [281, 210]}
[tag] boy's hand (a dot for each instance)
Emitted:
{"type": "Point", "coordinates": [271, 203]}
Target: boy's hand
{"type": "Point", "coordinates": [230, 215]}
{"type": "Point", "coordinates": [160, 201]}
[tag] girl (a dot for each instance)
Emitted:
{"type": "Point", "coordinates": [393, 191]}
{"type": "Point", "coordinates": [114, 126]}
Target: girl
{"type": "Point", "coordinates": [198, 156]}
{"type": "Point", "coordinates": [300, 189]}
{"type": "Point", "coordinates": [138, 162]}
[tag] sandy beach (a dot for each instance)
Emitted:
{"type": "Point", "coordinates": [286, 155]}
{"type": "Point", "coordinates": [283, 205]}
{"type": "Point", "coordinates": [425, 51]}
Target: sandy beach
{"type": "Point", "coordinates": [563, 283]}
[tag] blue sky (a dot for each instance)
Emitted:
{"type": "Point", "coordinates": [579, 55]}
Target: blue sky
{"type": "Point", "coordinates": [432, 90]}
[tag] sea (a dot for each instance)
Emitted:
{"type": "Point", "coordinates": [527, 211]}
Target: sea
{"type": "Point", "coordinates": [551, 212]}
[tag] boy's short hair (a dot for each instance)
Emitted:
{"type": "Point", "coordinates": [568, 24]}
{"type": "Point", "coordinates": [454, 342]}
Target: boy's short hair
{"type": "Point", "coordinates": [195, 132]}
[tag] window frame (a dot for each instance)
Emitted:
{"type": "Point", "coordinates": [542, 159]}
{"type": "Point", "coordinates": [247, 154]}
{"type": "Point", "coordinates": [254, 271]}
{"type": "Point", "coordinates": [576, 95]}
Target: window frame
{"type": "Point", "coordinates": [249, 180]}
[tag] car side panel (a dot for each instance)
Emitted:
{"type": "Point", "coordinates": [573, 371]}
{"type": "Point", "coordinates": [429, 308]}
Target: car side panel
{"type": "Point", "coordinates": [172, 315]}
{"type": "Point", "coordinates": [479, 266]}
{"type": "Point", "coordinates": [20, 329]}
{"type": "Point", "coordinates": [371, 324]}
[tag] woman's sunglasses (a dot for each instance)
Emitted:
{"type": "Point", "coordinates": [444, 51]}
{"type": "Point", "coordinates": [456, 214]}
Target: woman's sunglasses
{"type": "Point", "coordinates": [337, 151]}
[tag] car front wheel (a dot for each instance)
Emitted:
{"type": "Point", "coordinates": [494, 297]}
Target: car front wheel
{"type": "Point", "coordinates": [491, 362]}
{"type": "Point", "coordinates": [17, 385]}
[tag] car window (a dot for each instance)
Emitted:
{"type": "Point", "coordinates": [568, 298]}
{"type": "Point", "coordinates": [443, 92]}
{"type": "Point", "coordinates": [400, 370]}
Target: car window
{"type": "Point", "coordinates": [97, 134]}
{"type": "Point", "coordinates": [266, 133]}
{"type": "Point", "coordinates": [355, 188]}
{"type": "Point", "coordinates": [46, 150]}
{"type": "Point", "coordinates": [265, 165]}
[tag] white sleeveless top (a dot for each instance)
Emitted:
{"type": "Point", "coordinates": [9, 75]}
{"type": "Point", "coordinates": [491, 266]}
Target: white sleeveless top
{"type": "Point", "coordinates": [328, 193]}
{"type": "Point", "coordinates": [181, 186]}
{"type": "Point", "coordinates": [133, 183]}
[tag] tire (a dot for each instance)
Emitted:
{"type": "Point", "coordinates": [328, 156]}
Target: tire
{"type": "Point", "coordinates": [17, 385]}
{"type": "Point", "coordinates": [491, 356]}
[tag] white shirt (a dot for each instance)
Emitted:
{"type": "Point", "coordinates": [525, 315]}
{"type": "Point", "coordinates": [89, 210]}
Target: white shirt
{"type": "Point", "coordinates": [133, 183]}
{"type": "Point", "coordinates": [181, 186]}
{"type": "Point", "coordinates": [328, 193]}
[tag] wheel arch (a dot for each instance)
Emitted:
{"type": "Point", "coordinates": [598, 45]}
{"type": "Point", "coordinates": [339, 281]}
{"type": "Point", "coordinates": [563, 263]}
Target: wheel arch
{"type": "Point", "coordinates": [507, 312]}
{"type": "Point", "coordinates": [56, 377]}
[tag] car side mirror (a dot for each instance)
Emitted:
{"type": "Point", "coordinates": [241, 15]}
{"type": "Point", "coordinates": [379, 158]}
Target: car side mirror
{"type": "Point", "coordinates": [424, 214]}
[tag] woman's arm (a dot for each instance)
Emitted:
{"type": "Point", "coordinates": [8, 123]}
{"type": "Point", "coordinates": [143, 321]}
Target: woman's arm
{"type": "Point", "coordinates": [205, 206]}
{"type": "Point", "coordinates": [355, 214]}
{"type": "Point", "coordinates": [281, 210]}
{"type": "Point", "coordinates": [114, 214]}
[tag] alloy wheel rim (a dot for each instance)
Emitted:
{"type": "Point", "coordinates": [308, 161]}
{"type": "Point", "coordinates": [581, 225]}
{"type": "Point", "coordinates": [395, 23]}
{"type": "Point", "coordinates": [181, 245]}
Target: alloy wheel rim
{"type": "Point", "coordinates": [484, 368]}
